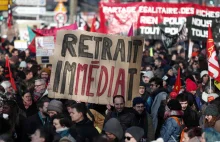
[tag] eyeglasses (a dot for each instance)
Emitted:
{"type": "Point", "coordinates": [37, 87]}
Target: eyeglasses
{"type": "Point", "coordinates": [38, 85]}
{"type": "Point", "coordinates": [128, 138]}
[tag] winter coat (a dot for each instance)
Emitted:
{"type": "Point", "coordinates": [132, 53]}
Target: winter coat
{"type": "Point", "coordinates": [141, 121]}
{"type": "Point", "coordinates": [170, 131]}
{"type": "Point", "coordinates": [190, 118]}
{"type": "Point", "coordinates": [83, 131]}
{"type": "Point", "coordinates": [114, 127]}
{"type": "Point", "coordinates": [159, 96]}
{"type": "Point", "coordinates": [30, 111]}
{"type": "Point", "coordinates": [32, 124]}
{"type": "Point", "coordinates": [126, 118]}
{"type": "Point", "coordinates": [97, 118]}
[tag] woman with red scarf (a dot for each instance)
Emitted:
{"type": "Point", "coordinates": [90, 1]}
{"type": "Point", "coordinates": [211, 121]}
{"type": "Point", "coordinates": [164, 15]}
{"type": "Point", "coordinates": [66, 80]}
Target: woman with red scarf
{"type": "Point", "coordinates": [27, 104]}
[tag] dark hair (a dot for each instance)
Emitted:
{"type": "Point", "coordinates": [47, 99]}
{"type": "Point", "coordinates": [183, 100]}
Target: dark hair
{"type": "Point", "coordinates": [69, 103]}
{"type": "Point", "coordinates": [6, 138]}
{"type": "Point", "coordinates": [119, 96]}
{"type": "Point", "coordinates": [159, 59]}
{"type": "Point", "coordinates": [48, 65]}
{"type": "Point", "coordinates": [193, 132]}
{"type": "Point", "coordinates": [47, 133]}
{"type": "Point", "coordinates": [158, 81]}
{"type": "Point", "coordinates": [101, 138]}
{"type": "Point", "coordinates": [14, 50]}
{"type": "Point", "coordinates": [182, 97]}
{"type": "Point", "coordinates": [80, 107]}
{"type": "Point", "coordinates": [33, 62]}
{"type": "Point", "coordinates": [22, 55]}
{"type": "Point", "coordinates": [63, 120]}
{"type": "Point", "coordinates": [40, 103]}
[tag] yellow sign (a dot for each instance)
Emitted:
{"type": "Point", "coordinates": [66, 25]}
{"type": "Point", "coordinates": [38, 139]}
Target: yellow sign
{"type": "Point", "coordinates": [4, 5]}
{"type": "Point", "coordinates": [60, 8]}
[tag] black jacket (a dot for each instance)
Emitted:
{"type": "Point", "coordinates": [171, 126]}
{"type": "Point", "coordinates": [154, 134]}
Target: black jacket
{"type": "Point", "coordinates": [32, 124]}
{"type": "Point", "coordinates": [141, 120]}
{"type": "Point", "coordinates": [83, 131]}
{"type": "Point", "coordinates": [126, 118]}
{"type": "Point", "coordinates": [190, 118]}
{"type": "Point", "coordinates": [30, 111]}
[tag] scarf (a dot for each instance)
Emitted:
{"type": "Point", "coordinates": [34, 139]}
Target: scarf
{"type": "Point", "coordinates": [27, 104]}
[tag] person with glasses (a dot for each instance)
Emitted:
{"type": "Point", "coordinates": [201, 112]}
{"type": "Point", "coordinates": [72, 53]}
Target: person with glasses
{"type": "Point", "coordinates": [158, 94]}
{"type": "Point", "coordinates": [134, 134]}
{"type": "Point", "coordinates": [40, 90]}
{"type": "Point", "coordinates": [143, 119]}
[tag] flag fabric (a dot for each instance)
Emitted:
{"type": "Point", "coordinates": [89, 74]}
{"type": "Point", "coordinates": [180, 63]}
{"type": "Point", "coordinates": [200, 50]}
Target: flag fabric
{"type": "Point", "coordinates": [9, 20]}
{"type": "Point", "coordinates": [93, 27]}
{"type": "Point", "coordinates": [131, 32]}
{"type": "Point", "coordinates": [213, 65]}
{"type": "Point", "coordinates": [8, 73]}
{"type": "Point", "coordinates": [31, 34]}
{"type": "Point", "coordinates": [177, 85]}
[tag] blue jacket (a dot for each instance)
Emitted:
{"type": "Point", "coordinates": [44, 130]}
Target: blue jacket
{"type": "Point", "coordinates": [170, 131]}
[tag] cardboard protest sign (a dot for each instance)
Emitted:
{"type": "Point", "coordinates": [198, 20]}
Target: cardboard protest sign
{"type": "Point", "coordinates": [44, 46]}
{"type": "Point", "coordinates": [20, 44]}
{"type": "Point", "coordinates": [92, 67]}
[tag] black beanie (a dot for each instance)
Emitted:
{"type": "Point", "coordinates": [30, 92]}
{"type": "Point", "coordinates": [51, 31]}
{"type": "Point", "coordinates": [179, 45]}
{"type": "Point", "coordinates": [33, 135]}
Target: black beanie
{"type": "Point", "coordinates": [138, 100]}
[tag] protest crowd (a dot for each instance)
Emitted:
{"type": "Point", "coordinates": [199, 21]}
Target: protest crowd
{"type": "Point", "coordinates": [158, 112]}
{"type": "Point", "coordinates": [177, 100]}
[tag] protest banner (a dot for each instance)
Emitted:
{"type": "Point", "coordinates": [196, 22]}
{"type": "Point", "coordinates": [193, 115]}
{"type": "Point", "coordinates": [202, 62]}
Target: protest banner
{"type": "Point", "coordinates": [20, 44]}
{"type": "Point", "coordinates": [92, 67]}
{"type": "Point", "coordinates": [150, 17]}
{"type": "Point", "coordinates": [44, 46]}
{"type": "Point", "coordinates": [53, 31]}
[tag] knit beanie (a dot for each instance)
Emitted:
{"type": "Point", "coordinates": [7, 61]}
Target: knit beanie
{"type": "Point", "coordinates": [173, 95]}
{"type": "Point", "coordinates": [5, 84]}
{"type": "Point", "coordinates": [166, 69]}
{"type": "Point", "coordinates": [203, 73]}
{"type": "Point", "coordinates": [136, 132]}
{"type": "Point", "coordinates": [190, 85]}
{"type": "Point", "coordinates": [148, 74]}
{"type": "Point", "coordinates": [137, 100]}
{"type": "Point", "coordinates": [56, 106]}
{"type": "Point", "coordinates": [46, 70]}
{"type": "Point", "coordinates": [212, 110]}
{"type": "Point", "coordinates": [23, 64]}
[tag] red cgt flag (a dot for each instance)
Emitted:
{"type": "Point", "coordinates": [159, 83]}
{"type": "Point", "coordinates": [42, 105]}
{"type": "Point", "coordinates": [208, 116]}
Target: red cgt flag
{"type": "Point", "coordinates": [9, 73]}
{"type": "Point", "coordinates": [213, 65]}
{"type": "Point", "coordinates": [93, 28]}
{"type": "Point", "coordinates": [177, 85]}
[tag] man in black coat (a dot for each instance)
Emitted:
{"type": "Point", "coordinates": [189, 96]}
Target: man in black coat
{"type": "Point", "coordinates": [83, 129]}
{"type": "Point", "coordinates": [38, 120]}
{"type": "Point", "coordinates": [124, 116]}
{"type": "Point", "coordinates": [190, 117]}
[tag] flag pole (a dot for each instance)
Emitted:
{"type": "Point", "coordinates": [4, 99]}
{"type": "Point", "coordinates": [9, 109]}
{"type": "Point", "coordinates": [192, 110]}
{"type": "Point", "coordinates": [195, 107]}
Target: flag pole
{"type": "Point", "coordinates": [210, 83]}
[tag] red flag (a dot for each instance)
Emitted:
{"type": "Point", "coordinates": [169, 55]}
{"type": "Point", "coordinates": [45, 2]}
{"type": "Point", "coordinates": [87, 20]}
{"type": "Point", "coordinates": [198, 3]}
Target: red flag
{"type": "Point", "coordinates": [131, 32]}
{"type": "Point", "coordinates": [9, 20]}
{"type": "Point", "coordinates": [7, 66]}
{"type": "Point", "coordinates": [213, 65]}
{"type": "Point", "coordinates": [93, 29]}
{"type": "Point", "coordinates": [177, 85]}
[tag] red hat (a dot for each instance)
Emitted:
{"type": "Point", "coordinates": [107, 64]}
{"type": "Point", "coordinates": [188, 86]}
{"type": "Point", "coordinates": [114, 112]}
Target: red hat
{"type": "Point", "coordinates": [190, 85]}
{"type": "Point", "coordinates": [173, 95]}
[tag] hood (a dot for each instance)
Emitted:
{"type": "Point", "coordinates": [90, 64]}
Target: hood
{"type": "Point", "coordinates": [113, 126]}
